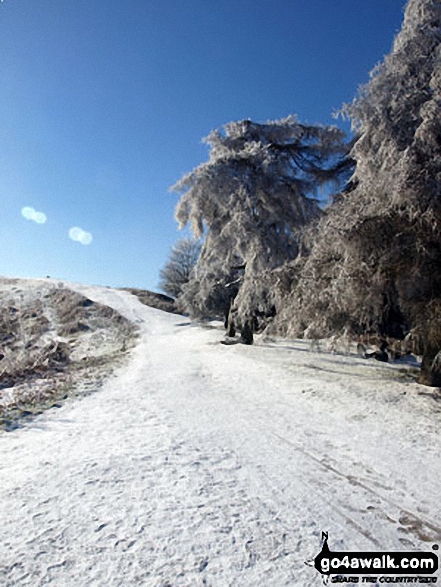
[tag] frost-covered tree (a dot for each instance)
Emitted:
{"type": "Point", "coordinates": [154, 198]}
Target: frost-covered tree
{"type": "Point", "coordinates": [397, 117]}
{"type": "Point", "coordinates": [375, 264]}
{"type": "Point", "coordinates": [177, 271]}
{"type": "Point", "coordinates": [252, 198]}
{"type": "Point", "coordinates": [398, 155]}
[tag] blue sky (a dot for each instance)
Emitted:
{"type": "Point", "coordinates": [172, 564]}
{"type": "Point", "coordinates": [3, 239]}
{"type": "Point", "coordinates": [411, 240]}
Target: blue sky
{"type": "Point", "coordinates": [103, 105]}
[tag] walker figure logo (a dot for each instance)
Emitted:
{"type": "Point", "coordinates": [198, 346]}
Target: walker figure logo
{"type": "Point", "coordinates": [328, 562]}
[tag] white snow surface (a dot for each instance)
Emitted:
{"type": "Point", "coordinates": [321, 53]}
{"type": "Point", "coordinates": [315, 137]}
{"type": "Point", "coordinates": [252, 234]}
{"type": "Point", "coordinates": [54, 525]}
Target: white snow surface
{"type": "Point", "coordinates": [200, 464]}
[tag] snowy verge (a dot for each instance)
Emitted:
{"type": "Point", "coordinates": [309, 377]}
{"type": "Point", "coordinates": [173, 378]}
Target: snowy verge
{"type": "Point", "coordinates": [53, 343]}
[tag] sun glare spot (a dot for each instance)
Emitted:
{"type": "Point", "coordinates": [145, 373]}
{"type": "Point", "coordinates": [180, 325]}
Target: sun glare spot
{"type": "Point", "coordinates": [79, 235]}
{"type": "Point", "coordinates": [32, 214]}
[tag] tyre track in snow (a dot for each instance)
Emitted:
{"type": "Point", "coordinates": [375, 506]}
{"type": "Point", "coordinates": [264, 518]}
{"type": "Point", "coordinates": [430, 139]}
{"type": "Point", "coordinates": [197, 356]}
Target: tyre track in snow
{"type": "Point", "coordinates": [416, 523]}
{"type": "Point", "coordinates": [401, 519]}
{"type": "Point", "coordinates": [404, 521]}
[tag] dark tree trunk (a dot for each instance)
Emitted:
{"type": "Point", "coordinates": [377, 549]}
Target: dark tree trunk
{"type": "Point", "coordinates": [246, 334]}
{"type": "Point", "coordinates": [229, 321]}
{"type": "Point", "coordinates": [431, 367]}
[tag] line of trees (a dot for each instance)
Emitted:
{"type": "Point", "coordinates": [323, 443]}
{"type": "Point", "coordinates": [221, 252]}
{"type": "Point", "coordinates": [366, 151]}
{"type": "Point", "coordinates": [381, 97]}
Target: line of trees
{"type": "Point", "coordinates": [370, 261]}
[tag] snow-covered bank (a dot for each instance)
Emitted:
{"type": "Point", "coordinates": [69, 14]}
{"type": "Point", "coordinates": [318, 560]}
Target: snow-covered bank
{"type": "Point", "coordinates": [54, 343]}
{"type": "Point", "coordinates": [200, 464]}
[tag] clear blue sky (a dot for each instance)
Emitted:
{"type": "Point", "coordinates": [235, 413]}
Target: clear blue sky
{"type": "Point", "coordinates": [103, 105]}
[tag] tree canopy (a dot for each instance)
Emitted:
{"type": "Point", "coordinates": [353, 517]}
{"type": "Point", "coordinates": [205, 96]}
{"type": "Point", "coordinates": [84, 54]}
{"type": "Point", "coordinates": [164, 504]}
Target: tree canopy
{"type": "Point", "coordinates": [375, 262]}
{"type": "Point", "coordinates": [253, 198]}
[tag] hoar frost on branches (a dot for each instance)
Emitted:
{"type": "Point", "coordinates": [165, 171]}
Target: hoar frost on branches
{"type": "Point", "coordinates": [375, 265]}
{"type": "Point", "coordinates": [253, 200]}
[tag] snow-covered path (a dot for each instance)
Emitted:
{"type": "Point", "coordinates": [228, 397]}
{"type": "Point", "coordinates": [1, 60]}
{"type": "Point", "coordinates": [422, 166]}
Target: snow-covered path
{"type": "Point", "coordinates": [202, 465]}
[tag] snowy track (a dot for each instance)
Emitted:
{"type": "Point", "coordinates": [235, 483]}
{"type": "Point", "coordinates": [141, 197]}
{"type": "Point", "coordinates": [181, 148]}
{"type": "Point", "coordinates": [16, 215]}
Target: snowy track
{"type": "Point", "coordinates": [203, 465]}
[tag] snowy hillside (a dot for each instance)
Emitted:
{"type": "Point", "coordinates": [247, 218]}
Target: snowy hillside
{"type": "Point", "coordinates": [54, 343]}
{"type": "Point", "coordinates": [199, 464]}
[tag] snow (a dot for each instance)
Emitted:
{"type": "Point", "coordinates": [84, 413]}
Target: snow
{"type": "Point", "coordinates": [200, 464]}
